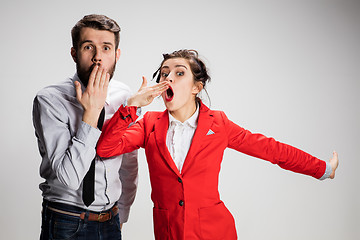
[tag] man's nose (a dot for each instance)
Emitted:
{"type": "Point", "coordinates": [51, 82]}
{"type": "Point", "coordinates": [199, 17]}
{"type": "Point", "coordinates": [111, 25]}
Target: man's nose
{"type": "Point", "coordinates": [97, 57]}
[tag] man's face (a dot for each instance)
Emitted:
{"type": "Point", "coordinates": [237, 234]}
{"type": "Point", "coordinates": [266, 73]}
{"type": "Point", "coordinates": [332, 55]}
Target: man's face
{"type": "Point", "coordinates": [96, 47]}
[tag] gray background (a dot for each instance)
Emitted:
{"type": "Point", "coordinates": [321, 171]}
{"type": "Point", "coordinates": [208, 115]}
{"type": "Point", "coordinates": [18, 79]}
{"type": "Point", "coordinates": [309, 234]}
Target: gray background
{"type": "Point", "coordinates": [287, 69]}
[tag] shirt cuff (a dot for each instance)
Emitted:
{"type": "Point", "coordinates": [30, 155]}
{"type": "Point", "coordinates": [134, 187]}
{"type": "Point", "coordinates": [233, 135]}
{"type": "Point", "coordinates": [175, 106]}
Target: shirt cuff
{"type": "Point", "coordinates": [138, 109]}
{"type": "Point", "coordinates": [327, 173]}
{"type": "Point", "coordinates": [88, 135]}
{"type": "Point", "coordinates": [123, 214]}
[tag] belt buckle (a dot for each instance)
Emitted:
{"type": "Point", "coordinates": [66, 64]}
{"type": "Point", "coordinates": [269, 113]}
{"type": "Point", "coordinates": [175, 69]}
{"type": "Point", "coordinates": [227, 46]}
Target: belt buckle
{"type": "Point", "coordinates": [101, 217]}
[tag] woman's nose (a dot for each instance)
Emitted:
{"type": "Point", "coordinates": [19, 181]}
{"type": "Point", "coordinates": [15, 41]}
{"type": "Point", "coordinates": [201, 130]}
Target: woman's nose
{"type": "Point", "coordinates": [169, 78]}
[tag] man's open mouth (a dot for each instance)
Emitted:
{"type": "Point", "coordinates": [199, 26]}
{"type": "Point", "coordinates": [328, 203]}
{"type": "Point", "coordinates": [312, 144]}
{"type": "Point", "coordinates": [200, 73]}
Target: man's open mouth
{"type": "Point", "coordinates": [169, 94]}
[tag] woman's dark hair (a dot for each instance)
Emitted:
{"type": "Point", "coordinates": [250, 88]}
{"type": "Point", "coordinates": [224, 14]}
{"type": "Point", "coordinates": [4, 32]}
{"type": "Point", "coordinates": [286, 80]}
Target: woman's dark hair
{"type": "Point", "coordinates": [197, 66]}
{"type": "Point", "coordinates": [98, 22]}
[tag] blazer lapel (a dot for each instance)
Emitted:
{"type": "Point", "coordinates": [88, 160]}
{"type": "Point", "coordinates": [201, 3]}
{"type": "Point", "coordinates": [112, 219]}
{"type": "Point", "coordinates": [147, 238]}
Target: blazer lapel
{"type": "Point", "coordinates": [205, 121]}
{"type": "Point", "coordinates": [160, 130]}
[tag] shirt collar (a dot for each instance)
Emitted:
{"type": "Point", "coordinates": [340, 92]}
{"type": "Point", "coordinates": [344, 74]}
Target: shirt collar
{"type": "Point", "coordinates": [76, 78]}
{"type": "Point", "coordinates": [192, 121]}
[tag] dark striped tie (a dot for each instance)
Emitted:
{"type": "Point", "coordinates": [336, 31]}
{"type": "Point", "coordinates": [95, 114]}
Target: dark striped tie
{"type": "Point", "coordinates": [89, 179]}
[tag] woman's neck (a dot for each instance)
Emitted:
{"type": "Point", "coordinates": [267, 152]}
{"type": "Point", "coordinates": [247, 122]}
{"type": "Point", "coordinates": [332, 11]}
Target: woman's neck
{"type": "Point", "coordinates": [184, 113]}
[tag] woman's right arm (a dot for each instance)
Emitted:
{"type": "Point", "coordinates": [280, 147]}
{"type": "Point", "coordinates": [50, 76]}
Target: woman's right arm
{"type": "Point", "coordinates": [117, 137]}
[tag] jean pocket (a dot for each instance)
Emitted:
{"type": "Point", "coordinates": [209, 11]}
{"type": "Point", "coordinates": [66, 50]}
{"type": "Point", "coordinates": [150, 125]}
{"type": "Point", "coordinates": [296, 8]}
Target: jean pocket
{"type": "Point", "coordinates": [115, 220]}
{"type": "Point", "coordinates": [161, 224]}
{"type": "Point", "coordinates": [64, 227]}
{"type": "Point", "coordinates": [216, 222]}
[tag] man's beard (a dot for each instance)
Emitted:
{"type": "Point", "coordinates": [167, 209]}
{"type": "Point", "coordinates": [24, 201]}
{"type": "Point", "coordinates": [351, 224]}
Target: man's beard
{"type": "Point", "coordinates": [84, 74]}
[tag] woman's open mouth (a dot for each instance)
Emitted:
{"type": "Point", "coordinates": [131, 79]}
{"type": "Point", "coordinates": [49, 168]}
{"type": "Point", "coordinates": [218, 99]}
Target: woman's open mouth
{"type": "Point", "coordinates": [169, 95]}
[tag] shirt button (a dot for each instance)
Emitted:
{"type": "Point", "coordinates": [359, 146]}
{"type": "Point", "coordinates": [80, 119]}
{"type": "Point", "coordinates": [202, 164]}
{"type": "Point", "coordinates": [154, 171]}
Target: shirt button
{"type": "Point", "coordinates": [179, 179]}
{"type": "Point", "coordinates": [181, 203]}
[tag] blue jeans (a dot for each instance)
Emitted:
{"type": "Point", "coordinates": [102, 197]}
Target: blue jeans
{"type": "Point", "coordinates": [56, 226]}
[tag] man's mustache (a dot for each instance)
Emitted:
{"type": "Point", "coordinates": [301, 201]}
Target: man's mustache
{"type": "Point", "coordinates": [92, 66]}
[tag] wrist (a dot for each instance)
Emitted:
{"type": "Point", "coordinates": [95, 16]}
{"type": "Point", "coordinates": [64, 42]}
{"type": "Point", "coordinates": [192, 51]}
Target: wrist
{"type": "Point", "coordinates": [91, 117]}
{"type": "Point", "coordinates": [131, 102]}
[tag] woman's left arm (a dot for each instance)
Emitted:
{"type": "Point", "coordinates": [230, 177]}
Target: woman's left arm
{"type": "Point", "coordinates": [284, 155]}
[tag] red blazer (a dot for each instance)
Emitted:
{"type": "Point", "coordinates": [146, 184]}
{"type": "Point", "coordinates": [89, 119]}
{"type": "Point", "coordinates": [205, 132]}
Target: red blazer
{"type": "Point", "coordinates": [187, 204]}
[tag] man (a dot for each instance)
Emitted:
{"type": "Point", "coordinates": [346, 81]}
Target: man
{"type": "Point", "coordinates": [83, 196]}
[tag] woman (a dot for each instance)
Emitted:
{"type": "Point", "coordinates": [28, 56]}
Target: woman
{"type": "Point", "coordinates": [184, 147]}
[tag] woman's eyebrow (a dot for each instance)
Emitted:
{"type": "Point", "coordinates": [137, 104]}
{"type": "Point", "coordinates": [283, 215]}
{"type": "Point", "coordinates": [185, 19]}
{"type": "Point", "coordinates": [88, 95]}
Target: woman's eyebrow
{"type": "Point", "coordinates": [175, 66]}
{"type": "Point", "coordinates": [181, 66]}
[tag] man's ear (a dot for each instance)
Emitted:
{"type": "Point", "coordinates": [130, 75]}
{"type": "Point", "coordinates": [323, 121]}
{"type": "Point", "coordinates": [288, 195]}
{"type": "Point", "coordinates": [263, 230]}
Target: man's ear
{"type": "Point", "coordinates": [117, 54]}
{"type": "Point", "coordinates": [73, 54]}
{"type": "Point", "coordinates": [198, 86]}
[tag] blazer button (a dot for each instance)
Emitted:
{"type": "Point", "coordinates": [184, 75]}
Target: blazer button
{"type": "Point", "coordinates": [181, 203]}
{"type": "Point", "coordinates": [179, 179]}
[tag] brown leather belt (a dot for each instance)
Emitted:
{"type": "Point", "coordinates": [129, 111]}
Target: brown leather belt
{"type": "Point", "coordinates": [97, 217]}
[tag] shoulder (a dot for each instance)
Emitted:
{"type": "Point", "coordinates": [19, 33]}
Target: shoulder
{"type": "Point", "coordinates": [57, 92]}
{"type": "Point", "coordinates": [217, 114]}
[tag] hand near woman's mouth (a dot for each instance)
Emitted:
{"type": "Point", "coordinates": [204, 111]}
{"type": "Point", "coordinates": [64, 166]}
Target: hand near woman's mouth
{"type": "Point", "coordinates": [146, 94]}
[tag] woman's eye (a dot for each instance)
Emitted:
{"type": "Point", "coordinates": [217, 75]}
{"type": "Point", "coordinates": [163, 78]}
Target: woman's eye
{"type": "Point", "coordinates": [164, 74]}
{"type": "Point", "coordinates": [180, 73]}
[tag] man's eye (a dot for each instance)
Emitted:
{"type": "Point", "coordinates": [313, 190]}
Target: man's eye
{"type": "Point", "coordinates": [88, 47]}
{"type": "Point", "coordinates": [106, 48]}
{"type": "Point", "coordinates": [180, 73]}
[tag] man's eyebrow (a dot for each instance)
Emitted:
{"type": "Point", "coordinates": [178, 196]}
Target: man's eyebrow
{"type": "Point", "coordinates": [108, 43]}
{"type": "Point", "coordinates": [85, 41]}
{"type": "Point", "coordinates": [89, 41]}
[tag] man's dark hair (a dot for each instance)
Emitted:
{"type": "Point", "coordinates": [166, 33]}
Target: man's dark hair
{"type": "Point", "coordinates": [98, 22]}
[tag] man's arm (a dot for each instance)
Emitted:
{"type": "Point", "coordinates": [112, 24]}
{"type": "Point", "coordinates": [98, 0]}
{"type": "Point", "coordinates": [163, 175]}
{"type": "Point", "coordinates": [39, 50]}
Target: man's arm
{"type": "Point", "coordinates": [70, 156]}
{"type": "Point", "coordinates": [128, 174]}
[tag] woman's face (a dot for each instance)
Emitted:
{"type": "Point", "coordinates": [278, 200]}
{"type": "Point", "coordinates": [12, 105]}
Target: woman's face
{"type": "Point", "coordinates": [182, 90]}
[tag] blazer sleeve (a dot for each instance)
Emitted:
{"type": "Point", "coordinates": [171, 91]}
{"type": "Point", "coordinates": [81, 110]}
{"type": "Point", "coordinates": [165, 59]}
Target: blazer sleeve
{"type": "Point", "coordinates": [118, 137]}
{"type": "Point", "coordinates": [284, 155]}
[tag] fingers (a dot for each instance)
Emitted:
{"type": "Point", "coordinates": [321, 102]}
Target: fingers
{"type": "Point", "coordinates": [145, 95]}
{"type": "Point", "coordinates": [99, 77]}
{"type": "Point", "coordinates": [334, 162]}
{"type": "Point", "coordinates": [98, 83]}
{"type": "Point", "coordinates": [155, 89]}
{"type": "Point", "coordinates": [160, 89]}
{"type": "Point", "coordinates": [144, 82]}
{"type": "Point", "coordinates": [78, 90]}
{"type": "Point", "coordinates": [92, 76]}
{"type": "Point", "coordinates": [161, 86]}
{"type": "Point", "coordinates": [104, 79]}
{"type": "Point", "coordinates": [336, 159]}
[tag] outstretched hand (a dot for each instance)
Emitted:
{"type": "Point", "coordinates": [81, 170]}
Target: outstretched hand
{"type": "Point", "coordinates": [145, 95]}
{"type": "Point", "coordinates": [334, 162]}
{"type": "Point", "coordinates": [94, 96]}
